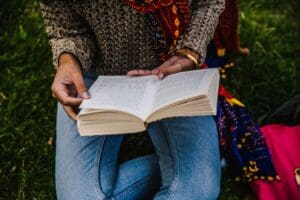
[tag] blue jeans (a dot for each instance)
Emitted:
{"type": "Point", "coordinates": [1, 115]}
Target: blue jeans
{"type": "Point", "coordinates": [186, 165]}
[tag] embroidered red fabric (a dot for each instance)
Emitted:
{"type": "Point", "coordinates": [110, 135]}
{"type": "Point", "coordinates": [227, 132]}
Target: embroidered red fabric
{"type": "Point", "coordinates": [173, 16]}
{"type": "Point", "coordinates": [284, 145]}
{"type": "Point", "coordinates": [226, 36]}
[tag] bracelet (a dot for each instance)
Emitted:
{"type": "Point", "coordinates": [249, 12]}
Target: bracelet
{"type": "Point", "coordinates": [193, 56]}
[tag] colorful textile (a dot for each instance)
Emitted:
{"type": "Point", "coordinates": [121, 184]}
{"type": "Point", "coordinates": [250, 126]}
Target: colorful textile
{"type": "Point", "coordinates": [225, 37]}
{"type": "Point", "coordinates": [172, 16]}
{"type": "Point", "coordinates": [241, 140]}
{"type": "Point", "coordinates": [242, 143]}
{"type": "Point", "coordinates": [284, 145]}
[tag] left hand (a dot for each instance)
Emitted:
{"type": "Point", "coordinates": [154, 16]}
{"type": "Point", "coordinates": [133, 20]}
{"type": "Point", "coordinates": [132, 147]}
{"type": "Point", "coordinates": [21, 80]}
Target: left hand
{"type": "Point", "coordinates": [173, 65]}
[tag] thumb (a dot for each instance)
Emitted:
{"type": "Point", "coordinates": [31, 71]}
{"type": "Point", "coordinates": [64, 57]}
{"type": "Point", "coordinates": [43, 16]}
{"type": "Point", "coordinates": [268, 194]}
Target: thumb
{"type": "Point", "coordinates": [81, 87]}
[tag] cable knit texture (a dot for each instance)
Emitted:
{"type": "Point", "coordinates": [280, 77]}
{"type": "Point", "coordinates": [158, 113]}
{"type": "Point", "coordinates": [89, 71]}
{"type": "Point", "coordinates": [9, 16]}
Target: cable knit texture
{"type": "Point", "coordinates": [113, 38]}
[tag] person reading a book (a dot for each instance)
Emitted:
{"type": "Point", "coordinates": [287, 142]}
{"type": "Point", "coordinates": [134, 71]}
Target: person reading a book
{"type": "Point", "coordinates": [134, 37]}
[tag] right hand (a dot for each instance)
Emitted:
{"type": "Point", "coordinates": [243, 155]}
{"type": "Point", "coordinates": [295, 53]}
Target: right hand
{"type": "Point", "coordinates": [68, 86]}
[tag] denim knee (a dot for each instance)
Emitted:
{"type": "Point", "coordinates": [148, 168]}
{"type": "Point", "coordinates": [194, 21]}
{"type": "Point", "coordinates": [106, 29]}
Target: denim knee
{"type": "Point", "coordinates": [203, 190]}
{"type": "Point", "coordinates": [189, 158]}
{"type": "Point", "coordinates": [208, 189]}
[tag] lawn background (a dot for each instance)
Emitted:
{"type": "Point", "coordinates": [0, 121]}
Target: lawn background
{"type": "Point", "coordinates": [263, 80]}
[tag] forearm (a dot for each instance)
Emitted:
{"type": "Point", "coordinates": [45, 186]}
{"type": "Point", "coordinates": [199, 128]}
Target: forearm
{"type": "Point", "coordinates": [67, 58]}
{"type": "Point", "coordinates": [204, 20]}
{"type": "Point", "coordinates": [68, 33]}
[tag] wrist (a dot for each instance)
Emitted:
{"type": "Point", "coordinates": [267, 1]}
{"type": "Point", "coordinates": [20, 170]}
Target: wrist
{"type": "Point", "coordinates": [67, 58]}
{"type": "Point", "coordinates": [190, 54]}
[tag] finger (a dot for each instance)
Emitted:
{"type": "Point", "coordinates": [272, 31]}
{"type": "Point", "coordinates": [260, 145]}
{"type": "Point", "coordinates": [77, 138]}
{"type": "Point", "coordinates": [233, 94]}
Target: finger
{"type": "Point", "coordinates": [71, 112]}
{"type": "Point", "coordinates": [159, 70]}
{"type": "Point", "coordinates": [139, 72]}
{"type": "Point", "coordinates": [168, 62]}
{"type": "Point", "coordinates": [132, 73]}
{"type": "Point", "coordinates": [69, 101]}
{"type": "Point", "coordinates": [155, 71]}
{"type": "Point", "coordinates": [61, 93]}
{"type": "Point", "coordinates": [165, 64]}
{"type": "Point", "coordinates": [177, 67]}
{"type": "Point", "coordinates": [80, 86]}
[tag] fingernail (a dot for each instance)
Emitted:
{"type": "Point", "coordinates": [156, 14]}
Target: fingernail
{"type": "Point", "coordinates": [86, 95]}
{"type": "Point", "coordinates": [160, 76]}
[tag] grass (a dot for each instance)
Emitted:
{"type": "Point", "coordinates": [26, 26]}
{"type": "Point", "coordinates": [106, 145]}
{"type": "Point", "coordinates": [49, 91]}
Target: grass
{"type": "Point", "coordinates": [263, 80]}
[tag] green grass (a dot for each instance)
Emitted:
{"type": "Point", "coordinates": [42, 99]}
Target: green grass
{"type": "Point", "coordinates": [263, 80]}
{"type": "Point", "coordinates": [270, 75]}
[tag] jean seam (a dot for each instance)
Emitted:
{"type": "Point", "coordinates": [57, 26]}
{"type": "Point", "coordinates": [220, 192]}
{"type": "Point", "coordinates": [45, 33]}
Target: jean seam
{"type": "Point", "coordinates": [97, 183]}
{"type": "Point", "coordinates": [174, 159]}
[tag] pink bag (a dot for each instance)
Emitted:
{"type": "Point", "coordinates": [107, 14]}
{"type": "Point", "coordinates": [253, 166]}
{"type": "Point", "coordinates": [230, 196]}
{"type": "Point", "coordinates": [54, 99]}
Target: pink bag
{"type": "Point", "coordinates": [284, 145]}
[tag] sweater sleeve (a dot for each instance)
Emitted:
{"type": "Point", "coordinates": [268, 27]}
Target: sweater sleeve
{"type": "Point", "coordinates": [68, 32]}
{"type": "Point", "coordinates": [204, 20]}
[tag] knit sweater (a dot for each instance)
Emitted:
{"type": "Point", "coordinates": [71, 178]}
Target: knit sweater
{"type": "Point", "coordinates": [114, 38]}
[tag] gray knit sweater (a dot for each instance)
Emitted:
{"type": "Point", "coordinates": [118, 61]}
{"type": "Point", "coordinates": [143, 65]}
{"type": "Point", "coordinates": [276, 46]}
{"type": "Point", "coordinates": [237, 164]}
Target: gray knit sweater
{"type": "Point", "coordinates": [113, 38]}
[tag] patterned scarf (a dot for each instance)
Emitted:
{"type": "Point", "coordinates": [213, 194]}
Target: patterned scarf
{"type": "Point", "coordinates": [172, 17]}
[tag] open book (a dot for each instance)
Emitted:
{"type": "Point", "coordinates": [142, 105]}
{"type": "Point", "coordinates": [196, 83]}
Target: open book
{"type": "Point", "coordinates": [121, 104]}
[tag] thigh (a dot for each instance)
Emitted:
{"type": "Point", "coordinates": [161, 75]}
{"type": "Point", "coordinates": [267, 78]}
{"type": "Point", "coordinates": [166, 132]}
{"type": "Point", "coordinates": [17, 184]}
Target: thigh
{"type": "Point", "coordinates": [86, 167]}
{"type": "Point", "coordinates": [189, 158]}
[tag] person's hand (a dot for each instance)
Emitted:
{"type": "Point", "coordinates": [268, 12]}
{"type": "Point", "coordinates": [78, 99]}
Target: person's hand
{"type": "Point", "coordinates": [68, 85]}
{"type": "Point", "coordinates": [174, 65]}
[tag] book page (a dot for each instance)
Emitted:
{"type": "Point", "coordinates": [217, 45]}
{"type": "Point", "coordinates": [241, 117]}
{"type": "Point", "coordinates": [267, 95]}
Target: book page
{"type": "Point", "coordinates": [128, 94]}
{"type": "Point", "coordinates": [183, 85]}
